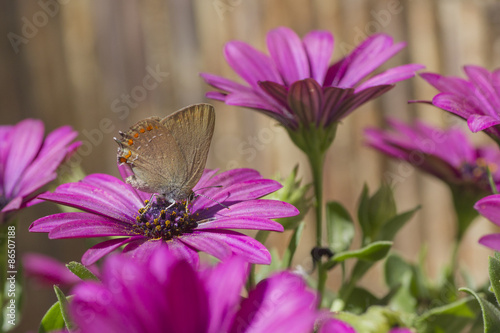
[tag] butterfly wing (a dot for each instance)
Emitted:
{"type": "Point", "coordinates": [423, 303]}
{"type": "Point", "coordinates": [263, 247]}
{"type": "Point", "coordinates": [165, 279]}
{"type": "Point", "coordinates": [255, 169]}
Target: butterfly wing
{"type": "Point", "coordinates": [192, 128]}
{"type": "Point", "coordinates": [168, 156]}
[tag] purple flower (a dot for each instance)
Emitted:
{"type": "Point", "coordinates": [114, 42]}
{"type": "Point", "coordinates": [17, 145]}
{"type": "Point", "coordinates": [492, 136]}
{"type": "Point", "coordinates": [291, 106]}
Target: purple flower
{"type": "Point", "coordinates": [297, 86]}
{"type": "Point", "coordinates": [166, 294]}
{"type": "Point", "coordinates": [446, 154]}
{"type": "Point", "coordinates": [28, 161]}
{"type": "Point", "coordinates": [333, 325]}
{"type": "Point", "coordinates": [489, 207]}
{"type": "Point", "coordinates": [476, 99]}
{"type": "Point", "coordinates": [112, 208]}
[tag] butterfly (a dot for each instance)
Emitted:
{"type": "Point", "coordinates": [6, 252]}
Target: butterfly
{"type": "Point", "coordinates": [168, 155]}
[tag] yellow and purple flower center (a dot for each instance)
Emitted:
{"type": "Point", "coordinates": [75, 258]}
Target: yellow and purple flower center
{"type": "Point", "coordinates": [165, 220]}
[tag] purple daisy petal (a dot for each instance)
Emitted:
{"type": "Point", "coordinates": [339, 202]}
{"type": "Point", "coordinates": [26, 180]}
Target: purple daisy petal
{"type": "Point", "coordinates": [91, 199]}
{"type": "Point", "coordinates": [356, 100]}
{"type": "Point", "coordinates": [223, 83]}
{"type": "Point", "coordinates": [319, 49]}
{"type": "Point", "coordinates": [442, 83]}
{"type": "Point", "coordinates": [485, 94]}
{"type": "Point", "coordinates": [47, 223]}
{"type": "Point", "coordinates": [289, 307]}
{"type": "Point", "coordinates": [252, 223]}
{"type": "Point", "coordinates": [225, 284]}
{"type": "Point", "coordinates": [367, 57]}
{"type": "Point", "coordinates": [98, 251]}
{"type": "Point", "coordinates": [492, 241]}
{"type": "Point", "coordinates": [241, 244]}
{"type": "Point", "coordinates": [262, 208]}
{"type": "Point", "coordinates": [489, 207]}
{"type": "Point", "coordinates": [206, 243]}
{"type": "Point", "coordinates": [89, 228]}
{"type": "Point", "coordinates": [478, 123]}
{"type": "Point", "coordinates": [391, 76]}
{"type": "Point", "coordinates": [115, 187]}
{"type": "Point", "coordinates": [335, 326]}
{"type": "Point", "coordinates": [455, 104]}
{"type": "Point", "coordinates": [250, 64]}
{"type": "Point", "coordinates": [23, 150]}
{"type": "Point", "coordinates": [288, 53]}
{"type": "Point", "coordinates": [13, 204]}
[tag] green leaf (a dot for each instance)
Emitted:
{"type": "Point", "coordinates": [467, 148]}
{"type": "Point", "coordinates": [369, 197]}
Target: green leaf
{"type": "Point", "coordinates": [494, 272]}
{"type": "Point", "coordinates": [392, 226]}
{"type": "Point", "coordinates": [363, 212]}
{"type": "Point", "coordinates": [81, 271]}
{"type": "Point", "coordinates": [292, 246]}
{"type": "Point", "coordinates": [450, 318]}
{"type": "Point", "coordinates": [491, 314]}
{"type": "Point", "coordinates": [372, 252]}
{"type": "Point", "coordinates": [53, 319]}
{"type": "Point", "coordinates": [376, 319]}
{"type": "Point", "coordinates": [382, 207]}
{"type": "Point", "coordinates": [403, 300]}
{"type": "Point", "coordinates": [339, 226]}
{"type": "Point", "coordinates": [395, 267]}
{"type": "Point", "coordinates": [63, 306]}
{"type": "Point", "coordinates": [359, 300]}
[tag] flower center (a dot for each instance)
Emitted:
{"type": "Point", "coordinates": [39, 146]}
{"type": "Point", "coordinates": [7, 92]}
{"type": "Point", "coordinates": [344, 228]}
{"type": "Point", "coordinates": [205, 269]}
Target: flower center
{"type": "Point", "coordinates": [478, 172]}
{"type": "Point", "coordinates": [164, 220]}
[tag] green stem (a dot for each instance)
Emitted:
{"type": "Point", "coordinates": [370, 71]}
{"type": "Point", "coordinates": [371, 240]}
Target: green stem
{"type": "Point", "coordinates": [322, 277]}
{"type": "Point", "coordinates": [261, 237]}
{"type": "Point", "coordinates": [316, 160]}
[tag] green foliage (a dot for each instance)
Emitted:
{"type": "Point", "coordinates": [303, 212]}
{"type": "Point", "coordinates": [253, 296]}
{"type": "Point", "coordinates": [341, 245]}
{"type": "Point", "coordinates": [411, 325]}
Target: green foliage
{"type": "Point", "coordinates": [53, 319]}
{"type": "Point", "coordinates": [491, 314]}
{"type": "Point", "coordinates": [294, 193]}
{"type": "Point", "coordinates": [449, 318]}
{"type": "Point", "coordinates": [339, 226]}
{"type": "Point", "coordinates": [372, 252]}
{"type": "Point", "coordinates": [378, 216]}
{"type": "Point", "coordinates": [81, 271]}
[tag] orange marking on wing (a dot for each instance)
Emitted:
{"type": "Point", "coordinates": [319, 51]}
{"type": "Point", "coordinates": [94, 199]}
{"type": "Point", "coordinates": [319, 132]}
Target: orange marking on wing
{"type": "Point", "coordinates": [128, 154]}
{"type": "Point", "coordinates": [123, 160]}
{"type": "Point", "coordinates": [149, 128]}
{"type": "Point", "coordinates": [130, 142]}
{"type": "Point", "coordinates": [136, 135]}
{"type": "Point", "coordinates": [142, 130]}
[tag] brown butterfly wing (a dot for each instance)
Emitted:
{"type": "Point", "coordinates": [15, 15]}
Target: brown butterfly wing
{"type": "Point", "coordinates": [192, 128]}
{"type": "Point", "coordinates": [168, 156]}
{"type": "Point", "coordinates": [143, 148]}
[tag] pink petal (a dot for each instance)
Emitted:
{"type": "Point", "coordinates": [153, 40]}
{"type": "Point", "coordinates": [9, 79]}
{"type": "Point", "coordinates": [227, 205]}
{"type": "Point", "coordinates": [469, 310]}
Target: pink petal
{"type": "Point", "coordinates": [252, 223]}
{"type": "Point", "coordinates": [27, 138]}
{"type": "Point", "coordinates": [252, 65]}
{"type": "Point", "coordinates": [319, 48]}
{"type": "Point", "coordinates": [391, 76]}
{"type": "Point", "coordinates": [98, 251]}
{"type": "Point", "coordinates": [288, 53]}
{"type": "Point", "coordinates": [478, 122]}
{"type": "Point", "coordinates": [492, 241]}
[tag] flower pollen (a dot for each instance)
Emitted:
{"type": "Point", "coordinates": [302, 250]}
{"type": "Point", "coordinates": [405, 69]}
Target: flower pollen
{"type": "Point", "coordinates": [165, 220]}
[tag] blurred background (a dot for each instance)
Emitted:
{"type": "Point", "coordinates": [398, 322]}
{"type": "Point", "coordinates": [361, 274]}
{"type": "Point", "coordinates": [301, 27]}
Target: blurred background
{"type": "Point", "coordinates": [75, 62]}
